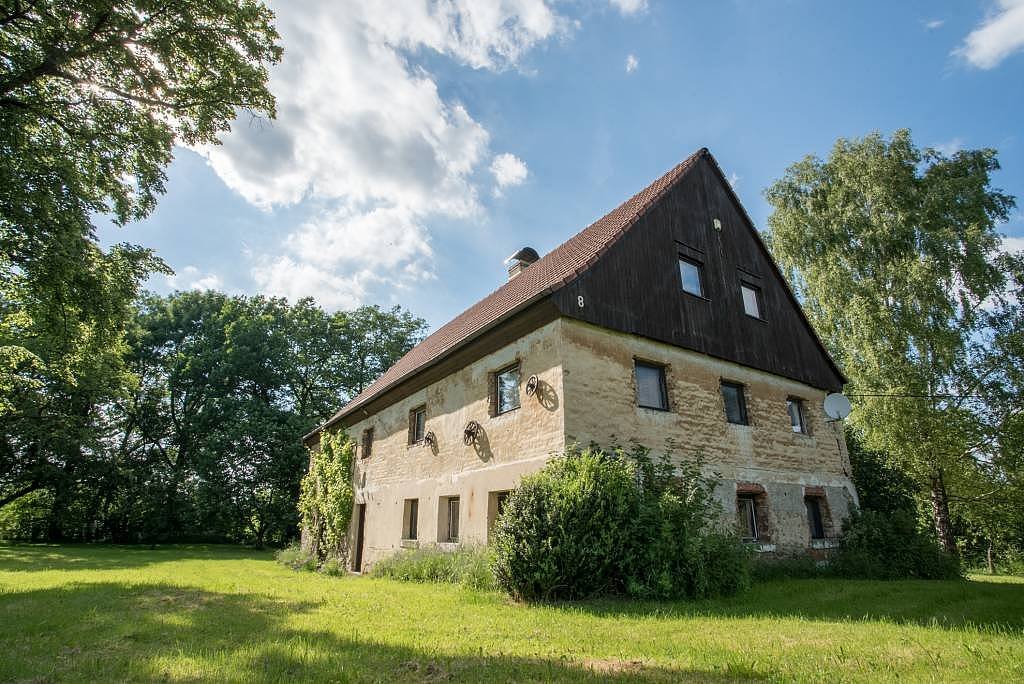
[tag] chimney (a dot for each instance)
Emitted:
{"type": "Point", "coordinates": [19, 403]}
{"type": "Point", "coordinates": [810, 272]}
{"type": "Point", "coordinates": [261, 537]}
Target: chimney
{"type": "Point", "coordinates": [518, 262]}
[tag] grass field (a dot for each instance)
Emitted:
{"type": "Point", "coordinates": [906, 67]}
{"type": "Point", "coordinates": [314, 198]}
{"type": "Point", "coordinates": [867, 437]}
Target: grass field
{"type": "Point", "coordinates": [188, 613]}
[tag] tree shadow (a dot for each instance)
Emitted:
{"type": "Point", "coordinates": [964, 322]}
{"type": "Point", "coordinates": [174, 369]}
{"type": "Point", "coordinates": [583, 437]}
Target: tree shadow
{"type": "Point", "coordinates": [38, 557]}
{"type": "Point", "coordinates": [992, 606]}
{"type": "Point", "coordinates": [118, 631]}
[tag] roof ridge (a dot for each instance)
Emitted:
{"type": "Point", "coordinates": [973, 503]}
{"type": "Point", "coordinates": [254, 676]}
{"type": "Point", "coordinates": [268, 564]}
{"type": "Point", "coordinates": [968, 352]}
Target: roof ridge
{"type": "Point", "coordinates": [550, 273]}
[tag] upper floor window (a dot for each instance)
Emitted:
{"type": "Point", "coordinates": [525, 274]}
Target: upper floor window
{"type": "Point", "coordinates": [692, 276]}
{"type": "Point", "coordinates": [417, 424]}
{"type": "Point", "coordinates": [650, 386]}
{"type": "Point", "coordinates": [735, 403]}
{"type": "Point", "coordinates": [367, 442]}
{"type": "Point", "coordinates": [797, 415]}
{"type": "Point", "coordinates": [751, 300]}
{"type": "Point", "coordinates": [507, 388]}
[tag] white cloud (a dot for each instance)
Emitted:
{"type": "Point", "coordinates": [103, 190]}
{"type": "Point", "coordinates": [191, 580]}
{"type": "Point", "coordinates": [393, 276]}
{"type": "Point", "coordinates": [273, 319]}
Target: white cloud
{"type": "Point", "coordinates": [366, 140]}
{"type": "Point", "coordinates": [508, 170]}
{"type": "Point", "coordinates": [630, 6]}
{"type": "Point", "coordinates": [933, 24]}
{"type": "Point", "coordinates": [999, 35]}
{"type": "Point", "coordinates": [191, 278]}
{"type": "Point", "coordinates": [631, 63]}
{"type": "Point", "coordinates": [1012, 244]}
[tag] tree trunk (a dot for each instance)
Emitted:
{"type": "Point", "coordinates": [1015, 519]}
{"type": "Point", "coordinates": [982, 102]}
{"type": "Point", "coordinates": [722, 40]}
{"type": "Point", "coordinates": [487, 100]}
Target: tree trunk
{"type": "Point", "coordinates": [988, 559]}
{"type": "Point", "coordinates": [940, 513]}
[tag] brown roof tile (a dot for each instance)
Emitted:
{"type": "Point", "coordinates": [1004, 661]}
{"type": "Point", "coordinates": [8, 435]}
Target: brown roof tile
{"type": "Point", "coordinates": [550, 273]}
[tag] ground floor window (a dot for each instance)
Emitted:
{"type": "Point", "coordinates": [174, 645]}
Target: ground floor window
{"type": "Point", "coordinates": [448, 524]}
{"type": "Point", "coordinates": [410, 519]}
{"type": "Point", "coordinates": [495, 507]}
{"type": "Point", "coordinates": [747, 508]}
{"type": "Point", "coordinates": [815, 518]}
{"type": "Point", "coordinates": [752, 512]}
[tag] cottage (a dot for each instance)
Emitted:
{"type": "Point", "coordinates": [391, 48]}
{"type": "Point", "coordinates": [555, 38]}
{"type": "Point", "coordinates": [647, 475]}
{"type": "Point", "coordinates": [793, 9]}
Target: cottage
{"type": "Point", "coordinates": [664, 323]}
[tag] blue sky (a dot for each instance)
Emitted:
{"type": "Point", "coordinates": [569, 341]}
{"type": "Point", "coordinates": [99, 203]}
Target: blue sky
{"type": "Point", "coordinates": [415, 150]}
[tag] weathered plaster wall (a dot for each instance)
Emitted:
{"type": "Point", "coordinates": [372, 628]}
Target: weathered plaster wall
{"type": "Point", "coordinates": [600, 407]}
{"type": "Point", "coordinates": [511, 445]}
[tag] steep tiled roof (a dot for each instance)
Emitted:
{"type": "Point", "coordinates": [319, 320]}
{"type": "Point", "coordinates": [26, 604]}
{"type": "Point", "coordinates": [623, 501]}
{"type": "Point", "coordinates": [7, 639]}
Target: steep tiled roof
{"type": "Point", "coordinates": [551, 272]}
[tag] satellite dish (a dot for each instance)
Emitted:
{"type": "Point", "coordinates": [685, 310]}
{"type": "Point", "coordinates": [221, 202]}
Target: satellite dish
{"type": "Point", "coordinates": [837, 406]}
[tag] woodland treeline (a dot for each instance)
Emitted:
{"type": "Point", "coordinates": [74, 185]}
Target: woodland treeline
{"type": "Point", "coordinates": [200, 439]}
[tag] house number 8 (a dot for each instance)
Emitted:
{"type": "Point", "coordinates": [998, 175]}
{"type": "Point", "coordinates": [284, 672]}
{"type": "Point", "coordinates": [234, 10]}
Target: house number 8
{"type": "Point", "coordinates": [579, 301]}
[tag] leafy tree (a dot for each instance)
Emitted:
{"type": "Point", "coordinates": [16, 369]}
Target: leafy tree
{"type": "Point", "coordinates": [894, 251]}
{"type": "Point", "coordinates": [94, 94]}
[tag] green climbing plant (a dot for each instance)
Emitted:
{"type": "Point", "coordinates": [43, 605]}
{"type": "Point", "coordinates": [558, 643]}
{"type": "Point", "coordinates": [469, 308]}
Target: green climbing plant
{"type": "Point", "coordinates": [325, 502]}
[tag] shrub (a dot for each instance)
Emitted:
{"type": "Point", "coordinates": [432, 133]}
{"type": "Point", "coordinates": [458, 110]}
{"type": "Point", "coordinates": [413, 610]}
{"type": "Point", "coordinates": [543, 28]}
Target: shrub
{"type": "Point", "coordinates": [469, 567]}
{"type": "Point", "coordinates": [295, 558]}
{"type": "Point", "coordinates": [879, 545]}
{"type": "Point", "coordinates": [611, 522]}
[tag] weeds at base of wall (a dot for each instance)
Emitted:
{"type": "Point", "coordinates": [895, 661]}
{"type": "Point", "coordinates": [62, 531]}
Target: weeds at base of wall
{"type": "Point", "coordinates": [469, 567]}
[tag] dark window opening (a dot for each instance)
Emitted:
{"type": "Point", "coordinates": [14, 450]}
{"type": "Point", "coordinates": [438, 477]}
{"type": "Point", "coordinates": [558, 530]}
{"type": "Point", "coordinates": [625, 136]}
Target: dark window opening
{"type": "Point", "coordinates": [650, 386]}
{"type": "Point", "coordinates": [507, 388]}
{"type": "Point", "coordinates": [367, 443]}
{"type": "Point", "coordinates": [449, 527]}
{"type": "Point", "coordinates": [735, 403]}
{"type": "Point", "coordinates": [815, 520]}
{"type": "Point", "coordinates": [410, 519]}
{"type": "Point", "coordinates": [691, 273]}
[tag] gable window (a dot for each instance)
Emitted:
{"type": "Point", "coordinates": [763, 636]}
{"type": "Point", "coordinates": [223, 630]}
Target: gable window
{"type": "Point", "coordinates": [751, 300]}
{"type": "Point", "coordinates": [735, 403]}
{"type": "Point", "coordinates": [815, 520]}
{"type": "Point", "coordinates": [797, 415]}
{"type": "Point", "coordinates": [507, 387]}
{"type": "Point", "coordinates": [746, 509]}
{"type": "Point", "coordinates": [691, 273]}
{"type": "Point", "coordinates": [448, 523]}
{"type": "Point", "coordinates": [410, 518]}
{"type": "Point", "coordinates": [417, 424]}
{"type": "Point", "coordinates": [367, 442]}
{"type": "Point", "coordinates": [650, 386]}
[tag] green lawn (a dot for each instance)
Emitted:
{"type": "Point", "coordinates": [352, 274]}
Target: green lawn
{"type": "Point", "coordinates": [187, 613]}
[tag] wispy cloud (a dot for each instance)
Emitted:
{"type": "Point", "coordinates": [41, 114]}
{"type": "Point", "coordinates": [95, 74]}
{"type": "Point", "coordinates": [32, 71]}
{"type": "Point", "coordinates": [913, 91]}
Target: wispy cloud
{"type": "Point", "coordinates": [191, 278]}
{"type": "Point", "coordinates": [631, 63]}
{"type": "Point", "coordinates": [734, 179]}
{"type": "Point", "coordinates": [933, 24]}
{"type": "Point", "coordinates": [950, 147]}
{"type": "Point", "coordinates": [630, 6]}
{"type": "Point", "coordinates": [1000, 35]}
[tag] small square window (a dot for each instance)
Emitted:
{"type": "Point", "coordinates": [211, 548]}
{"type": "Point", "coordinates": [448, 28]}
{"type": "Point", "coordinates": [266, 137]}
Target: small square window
{"type": "Point", "coordinates": [814, 518]}
{"type": "Point", "coordinates": [735, 403]}
{"type": "Point", "coordinates": [693, 281]}
{"type": "Point", "coordinates": [650, 386]}
{"type": "Point", "coordinates": [367, 443]}
{"type": "Point", "coordinates": [411, 519]}
{"type": "Point", "coordinates": [417, 424]}
{"type": "Point", "coordinates": [507, 388]}
{"type": "Point", "coordinates": [797, 415]}
{"type": "Point", "coordinates": [746, 510]}
{"type": "Point", "coordinates": [751, 300]}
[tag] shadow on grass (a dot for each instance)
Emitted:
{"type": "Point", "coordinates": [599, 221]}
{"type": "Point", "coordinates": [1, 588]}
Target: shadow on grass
{"type": "Point", "coordinates": [115, 631]}
{"type": "Point", "coordinates": [944, 604]}
{"type": "Point", "coordinates": [35, 557]}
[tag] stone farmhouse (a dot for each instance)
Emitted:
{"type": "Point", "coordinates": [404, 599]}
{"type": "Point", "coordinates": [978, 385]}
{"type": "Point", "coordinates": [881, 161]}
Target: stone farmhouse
{"type": "Point", "coordinates": [665, 322]}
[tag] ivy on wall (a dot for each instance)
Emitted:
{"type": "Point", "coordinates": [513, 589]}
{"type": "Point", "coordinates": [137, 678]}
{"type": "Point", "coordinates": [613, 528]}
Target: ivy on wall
{"type": "Point", "coordinates": [326, 498]}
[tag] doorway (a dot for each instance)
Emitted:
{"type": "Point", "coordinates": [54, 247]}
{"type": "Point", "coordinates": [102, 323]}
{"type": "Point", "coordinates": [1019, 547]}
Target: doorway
{"type": "Point", "coordinates": [357, 562]}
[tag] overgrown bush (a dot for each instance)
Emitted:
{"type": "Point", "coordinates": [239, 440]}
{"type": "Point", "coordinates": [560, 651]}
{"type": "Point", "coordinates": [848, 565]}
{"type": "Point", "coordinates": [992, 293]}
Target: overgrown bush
{"type": "Point", "coordinates": [612, 522]}
{"type": "Point", "coordinates": [295, 558]}
{"type": "Point", "coordinates": [326, 499]}
{"type": "Point", "coordinates": [878, 545]}
{"type": "Point", "coordinates": [470, 567]}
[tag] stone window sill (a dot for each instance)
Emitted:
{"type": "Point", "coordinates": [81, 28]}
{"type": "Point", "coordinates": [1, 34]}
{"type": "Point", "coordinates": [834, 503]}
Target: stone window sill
{"type": "Point", "coordinates": [761, 547]}
{"type": "Point", "coordinates": [448, 546]}
{"type": "Point", "coordinates": [824, 543]}
{"type": "Point", "coordinates": [410, 543]}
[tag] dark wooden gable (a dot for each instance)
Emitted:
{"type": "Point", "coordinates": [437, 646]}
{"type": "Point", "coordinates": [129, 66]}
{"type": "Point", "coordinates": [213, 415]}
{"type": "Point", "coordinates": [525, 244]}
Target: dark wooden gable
{"type": "Point", "coordinates": [635, 286]}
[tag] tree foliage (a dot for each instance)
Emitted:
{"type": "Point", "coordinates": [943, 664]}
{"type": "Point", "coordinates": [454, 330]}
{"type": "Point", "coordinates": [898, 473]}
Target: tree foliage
{"type": "Point", "coordinates": [895, 253]}
{"type": "Point", "coordinates": [204, 443]}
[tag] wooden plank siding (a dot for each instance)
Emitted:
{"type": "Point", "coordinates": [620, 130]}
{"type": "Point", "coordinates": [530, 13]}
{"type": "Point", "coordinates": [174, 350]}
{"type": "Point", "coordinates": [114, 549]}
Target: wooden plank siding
{"type": "Point", "coordinates": [635, 287]}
